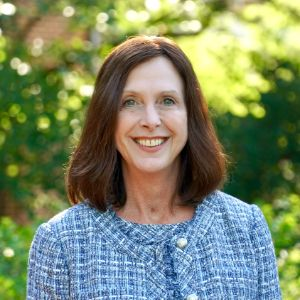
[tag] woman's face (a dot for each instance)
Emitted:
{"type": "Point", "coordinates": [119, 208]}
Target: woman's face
{"type": "Point", "coordinates": [152, 121]}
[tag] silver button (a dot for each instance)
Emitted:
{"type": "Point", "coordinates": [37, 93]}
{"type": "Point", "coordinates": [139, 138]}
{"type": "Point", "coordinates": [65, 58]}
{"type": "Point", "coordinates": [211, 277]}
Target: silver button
{"type": "Point", "coordinates": [181, 243]}
{"type": "Point", "coordinates": [192, 297]}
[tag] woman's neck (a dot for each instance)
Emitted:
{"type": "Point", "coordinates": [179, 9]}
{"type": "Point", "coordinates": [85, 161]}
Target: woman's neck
{"type": "Point", "coordinates": [153, 198]}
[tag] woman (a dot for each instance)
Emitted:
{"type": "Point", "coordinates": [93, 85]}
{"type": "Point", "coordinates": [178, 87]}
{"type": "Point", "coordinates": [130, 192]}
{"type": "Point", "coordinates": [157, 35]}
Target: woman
{"type": "Point", "coordinates": [148, 221]}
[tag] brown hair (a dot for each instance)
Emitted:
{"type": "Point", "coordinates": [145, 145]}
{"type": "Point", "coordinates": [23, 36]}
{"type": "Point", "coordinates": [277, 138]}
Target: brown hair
{"type": "Point", "coordinates": [95, 172]}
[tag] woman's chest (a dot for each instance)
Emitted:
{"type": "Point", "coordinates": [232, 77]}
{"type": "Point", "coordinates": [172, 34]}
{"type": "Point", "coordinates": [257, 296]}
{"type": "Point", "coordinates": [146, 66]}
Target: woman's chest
{"type": "Point", "coordinates": [210, 269]}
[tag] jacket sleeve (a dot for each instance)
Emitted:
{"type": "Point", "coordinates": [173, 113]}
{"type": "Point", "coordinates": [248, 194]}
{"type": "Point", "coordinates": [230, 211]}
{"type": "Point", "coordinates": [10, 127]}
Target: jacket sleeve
{"type": "Point", "coordinates": [265, 256]}
{"type": "Point", "coordinates": [48, 276]}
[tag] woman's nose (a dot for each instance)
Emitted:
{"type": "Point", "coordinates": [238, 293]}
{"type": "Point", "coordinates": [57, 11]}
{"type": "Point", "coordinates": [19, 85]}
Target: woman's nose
{"type": "Point", "coordinates": [150, 118]}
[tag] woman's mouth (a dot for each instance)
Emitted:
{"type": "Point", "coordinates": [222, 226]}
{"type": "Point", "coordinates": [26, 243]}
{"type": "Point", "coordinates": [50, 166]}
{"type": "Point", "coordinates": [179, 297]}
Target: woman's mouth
{"type": "Point", "coordinates": [150, 142]}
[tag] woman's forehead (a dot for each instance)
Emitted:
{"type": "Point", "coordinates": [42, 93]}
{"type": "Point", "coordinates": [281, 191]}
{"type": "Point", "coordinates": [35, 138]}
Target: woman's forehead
{"type": "Point", "coordinates": [159, 71]}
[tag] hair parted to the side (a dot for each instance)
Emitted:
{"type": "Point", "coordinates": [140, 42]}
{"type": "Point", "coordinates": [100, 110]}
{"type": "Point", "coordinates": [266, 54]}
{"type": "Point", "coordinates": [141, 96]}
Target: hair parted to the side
{"type": "Point", "coordinates": [95, 172]}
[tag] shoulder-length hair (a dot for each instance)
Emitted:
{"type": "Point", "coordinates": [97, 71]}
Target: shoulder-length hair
{"type": "Point", "coordinates": [95, 172]}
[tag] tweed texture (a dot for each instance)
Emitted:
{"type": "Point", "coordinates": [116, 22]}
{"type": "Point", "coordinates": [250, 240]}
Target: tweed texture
{"type": "Point", "coordinates": [85, 254]}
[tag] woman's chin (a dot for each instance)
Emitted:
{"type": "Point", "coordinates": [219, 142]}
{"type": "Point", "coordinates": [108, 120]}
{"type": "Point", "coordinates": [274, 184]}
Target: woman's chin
{"type": "Point", "coordinates": [152, 166]}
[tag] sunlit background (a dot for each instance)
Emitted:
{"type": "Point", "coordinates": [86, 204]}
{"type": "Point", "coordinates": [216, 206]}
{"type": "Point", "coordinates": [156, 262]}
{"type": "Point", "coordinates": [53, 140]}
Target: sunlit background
{"type": "Point", "coordinates": [246, 55]}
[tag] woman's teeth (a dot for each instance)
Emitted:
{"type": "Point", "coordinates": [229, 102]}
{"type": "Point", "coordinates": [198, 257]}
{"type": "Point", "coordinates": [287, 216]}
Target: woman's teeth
{"type": "Point", "coordinates": [149, 142]}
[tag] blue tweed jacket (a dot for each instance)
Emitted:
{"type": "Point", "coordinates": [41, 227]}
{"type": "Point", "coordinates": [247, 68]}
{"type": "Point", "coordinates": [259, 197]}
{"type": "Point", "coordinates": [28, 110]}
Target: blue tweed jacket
{"type": "Point", "coordinates": [225, 252]}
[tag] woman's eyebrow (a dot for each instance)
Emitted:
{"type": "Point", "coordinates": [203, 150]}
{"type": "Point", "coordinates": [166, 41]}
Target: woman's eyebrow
{"type": "Point", "coordinates": [130, 91]}
{"type": "Point", "coordinates": [170, 92]}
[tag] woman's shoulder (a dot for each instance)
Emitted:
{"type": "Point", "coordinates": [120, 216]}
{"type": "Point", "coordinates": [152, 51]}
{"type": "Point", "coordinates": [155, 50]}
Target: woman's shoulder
{"type": "Point", "coordinates": [230, 208]}
{"type": "Point", "coordinates": [226, 202]}
{"type": "Point", "coordinates": [80, 217]}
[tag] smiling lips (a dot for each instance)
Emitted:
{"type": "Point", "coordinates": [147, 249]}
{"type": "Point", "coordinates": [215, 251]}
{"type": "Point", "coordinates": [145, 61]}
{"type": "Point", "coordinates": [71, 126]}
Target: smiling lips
{"type": "Point", "coordinates": [150, 142]}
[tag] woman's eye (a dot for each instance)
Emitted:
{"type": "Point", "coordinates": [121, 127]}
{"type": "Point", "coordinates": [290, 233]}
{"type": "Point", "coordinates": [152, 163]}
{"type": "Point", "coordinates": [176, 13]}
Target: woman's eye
{"type": "Point", "coordinates": [168, 101]}
{"type": "Point", "coordinates": [129, 103]}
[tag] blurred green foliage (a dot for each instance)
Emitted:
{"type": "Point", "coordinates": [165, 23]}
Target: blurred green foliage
{"type": "Point", "coordinates": [14, 246]}
{"type": "Point", "coordinates": [283, 216]}
{"type": "Point", "coordinates": [247, 60]}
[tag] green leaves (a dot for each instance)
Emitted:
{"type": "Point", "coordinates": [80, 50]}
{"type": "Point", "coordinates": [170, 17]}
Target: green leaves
{"type": "Point", "coordinates": [14, 246]}
{"type": "Point", "coordinates": [284, 221]}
